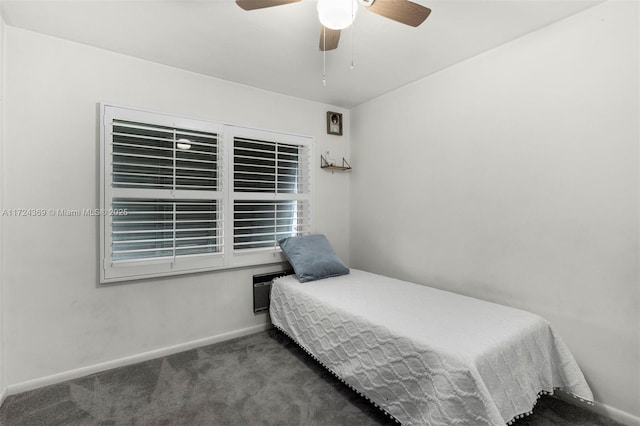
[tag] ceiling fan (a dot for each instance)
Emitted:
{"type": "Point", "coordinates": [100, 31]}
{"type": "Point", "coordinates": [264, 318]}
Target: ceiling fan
{"type": "Point", "coordinates": [335, 15]}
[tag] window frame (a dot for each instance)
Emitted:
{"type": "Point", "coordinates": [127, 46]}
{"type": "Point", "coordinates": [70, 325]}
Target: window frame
{"type": "Point", "coordinates": [226, 259]}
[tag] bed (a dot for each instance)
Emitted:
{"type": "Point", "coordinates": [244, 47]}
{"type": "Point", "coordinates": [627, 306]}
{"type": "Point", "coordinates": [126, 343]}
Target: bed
{"type": "Point", "coordinates": [423, 355]}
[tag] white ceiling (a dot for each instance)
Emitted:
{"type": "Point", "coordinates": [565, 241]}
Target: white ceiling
{"type": "Point", "coordinates": [277, 48]}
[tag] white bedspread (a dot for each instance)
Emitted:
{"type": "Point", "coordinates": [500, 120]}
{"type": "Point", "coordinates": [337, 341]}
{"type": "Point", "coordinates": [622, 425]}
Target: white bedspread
{"type": "Point", "coordinates": [427, 356]}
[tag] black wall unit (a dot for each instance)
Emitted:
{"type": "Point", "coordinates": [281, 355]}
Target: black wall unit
{"type": "Point", "coordinates": [262, 289]}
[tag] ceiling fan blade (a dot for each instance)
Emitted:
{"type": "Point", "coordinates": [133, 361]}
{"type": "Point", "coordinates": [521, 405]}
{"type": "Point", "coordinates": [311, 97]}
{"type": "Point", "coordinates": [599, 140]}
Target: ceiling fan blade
{"type": "Point", "coordinates": [403, 11]}
{"type": "Point", "coordinates": [261, 4]}
{"type": "Point", "coordinates": [329, 38]}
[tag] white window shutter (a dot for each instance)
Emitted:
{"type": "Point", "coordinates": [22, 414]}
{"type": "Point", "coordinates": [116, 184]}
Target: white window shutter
{"type": "Point", "coordinates": [271, 179]}
{"type": "Point", "coordinates": [176, 201]}
{"type": "Point", "coordinates": [163, 175]}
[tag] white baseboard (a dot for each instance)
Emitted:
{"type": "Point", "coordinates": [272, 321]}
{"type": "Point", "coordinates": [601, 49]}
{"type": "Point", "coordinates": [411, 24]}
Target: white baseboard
{"type": "Point", "coordinates": [122, 362]}
{"type": "Point", "coordinates": [619, 416]}
{"type": "Point", "coordinates": [605, 410]}
{"type": "Point", "coordinates": [3, 396]}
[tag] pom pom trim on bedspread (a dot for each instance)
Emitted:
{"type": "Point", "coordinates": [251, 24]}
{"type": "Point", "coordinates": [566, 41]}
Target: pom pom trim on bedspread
{"type": "Point", "coordinates": [540, 394]}
{"type": "Point", "coordinates": [510, 422]}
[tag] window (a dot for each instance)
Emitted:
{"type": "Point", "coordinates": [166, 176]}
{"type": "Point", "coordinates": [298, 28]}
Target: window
{"type": "Point", "coordinates": [176, 200]}
{"type": "Point", "coordinates": [271, 190]}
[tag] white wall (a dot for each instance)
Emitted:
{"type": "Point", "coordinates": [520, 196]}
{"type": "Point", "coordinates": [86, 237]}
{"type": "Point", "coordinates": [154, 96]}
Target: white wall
{"type": "Point", "coordinates": [513, 177]}
{"type": "Point", "coordinates": [58, 321]}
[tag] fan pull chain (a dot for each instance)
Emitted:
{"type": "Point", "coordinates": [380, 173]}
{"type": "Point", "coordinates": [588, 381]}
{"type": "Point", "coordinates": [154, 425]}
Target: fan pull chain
{"type": "Point", "coordinates": [353, 22]}
{"type": "Point", "coordinates": [324, 56]}
{"type": "Point", "coordinates": [352, 65]}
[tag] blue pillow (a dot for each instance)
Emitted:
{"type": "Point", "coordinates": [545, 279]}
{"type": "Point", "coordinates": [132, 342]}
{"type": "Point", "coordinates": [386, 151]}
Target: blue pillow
{"type": "Point", "coordinates": [312, 257]}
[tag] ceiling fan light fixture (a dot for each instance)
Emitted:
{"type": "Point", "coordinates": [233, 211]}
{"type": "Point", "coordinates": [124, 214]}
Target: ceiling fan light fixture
{"type": "Point", "coordinates": [337, 14]}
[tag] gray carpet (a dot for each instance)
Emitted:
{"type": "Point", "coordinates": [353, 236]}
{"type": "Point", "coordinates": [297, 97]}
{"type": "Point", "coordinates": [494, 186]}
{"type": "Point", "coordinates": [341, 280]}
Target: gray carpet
{"type": "Point", "coordinates": [262, 379]}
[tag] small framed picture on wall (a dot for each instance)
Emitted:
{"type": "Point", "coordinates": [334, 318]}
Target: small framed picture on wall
{"type": "Point", "coordinates": [334, 123]}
